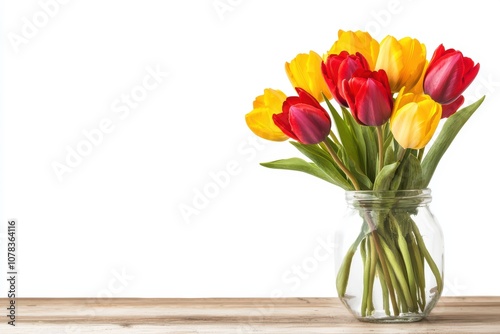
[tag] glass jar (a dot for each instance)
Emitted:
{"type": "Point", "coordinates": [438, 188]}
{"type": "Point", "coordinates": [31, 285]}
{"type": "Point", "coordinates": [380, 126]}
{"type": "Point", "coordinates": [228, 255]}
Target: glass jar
{"type": "Point", "coordinates": [390, 260]}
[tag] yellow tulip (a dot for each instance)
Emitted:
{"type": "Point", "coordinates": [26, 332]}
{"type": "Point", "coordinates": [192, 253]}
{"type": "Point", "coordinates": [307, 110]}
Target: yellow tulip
{"type": "Point", "coordinates": [358, 41]}
{"type": "Point", "coordinates": [419, 86]}
{"type": "Point", "coordinates": [304, 71]}
{"type": "Point", "coordinates": [402, 60]}
{"type": "Point", "coordinates": [414, 119]}
{"type": "Point", "coordinates": [260, 119]}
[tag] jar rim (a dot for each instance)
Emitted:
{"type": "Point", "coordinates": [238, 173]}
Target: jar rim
{"type": "Point", "coordinates": [423, 191]}
{"type": "Point", "coordinates": [372, 196]}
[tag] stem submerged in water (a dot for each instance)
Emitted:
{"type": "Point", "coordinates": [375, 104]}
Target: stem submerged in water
{"type": "Point", "coordinates": [392, 250]}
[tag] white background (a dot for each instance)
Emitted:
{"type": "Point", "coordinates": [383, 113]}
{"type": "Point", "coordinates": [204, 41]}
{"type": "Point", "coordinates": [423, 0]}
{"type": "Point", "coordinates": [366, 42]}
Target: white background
{"type": "Point", "coordinates": [113, 225]}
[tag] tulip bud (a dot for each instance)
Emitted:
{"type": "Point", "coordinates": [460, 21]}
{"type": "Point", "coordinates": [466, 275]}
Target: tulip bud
{"type": "Point", "coordinates": [448, 75]}
{"type": "Point", "coordinates": [260, 119]}
{"type": "Point", "coordinates": [415, 119]}
{"type": "Point", "coordinates": [338, 68]}
{"type": "Point", "coordinates": [450, 109]}
{"type": "Point", "coordinates": [304, 119]}
{"type": "Point", "coordinates": [354, 42]}
{"type": "Point", "coordinates": [304, 71]}
{"type": "Point", "coordinates": [402, 60]}
{"type": "Point", "coordinates": [369, 97]}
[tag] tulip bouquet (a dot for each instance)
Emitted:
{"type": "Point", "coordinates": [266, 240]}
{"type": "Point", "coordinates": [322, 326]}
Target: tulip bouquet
{"type": "Point", "coordinates": [390, 100]}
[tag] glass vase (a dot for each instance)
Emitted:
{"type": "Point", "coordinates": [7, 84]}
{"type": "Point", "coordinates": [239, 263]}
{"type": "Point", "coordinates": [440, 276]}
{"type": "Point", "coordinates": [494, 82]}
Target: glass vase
{"type": "Point", "coordinates": [389, 261]}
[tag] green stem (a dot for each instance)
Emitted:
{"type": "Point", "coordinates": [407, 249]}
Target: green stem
{"type": "Point", "coordinates": [366, 275]}
{"type": "Point", "coordinates": [428, 257]}
{"type": "Point", "coordinates": [417, 260]}
{"type": "Point", "coordinates": [383, 263]}
{"type": "Point", "coordinates": [380, 136]}
{"type": "Point", "coordinates": [399, 291]}
{"type": "Point", "coordinates": [334, 138]}
{"type": "Point", "coordinates": [382, 258]}
{"type": "Point", "coordinates": [341, 165]}
{"type": "Point", "coordinates": [385, 292]}
{"type": "Point", "coordinates": [401, 154]}
{"type": "Point", "coordinates": [345, 268]}
{"type": "Point", "coordinates": [421, 154]}
{"type": "Point", "coordinates": [398, 272]}
{"type": "Point", "coordinates": [373, 267]}
{"type": "Point", "coordinates": [407, 264]}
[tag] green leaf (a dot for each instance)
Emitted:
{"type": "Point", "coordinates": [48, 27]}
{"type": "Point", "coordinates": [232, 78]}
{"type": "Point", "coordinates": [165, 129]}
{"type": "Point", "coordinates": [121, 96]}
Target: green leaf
{"type": "Point", "coordinates": [449, 131]}
{"type": "Point", "coordinates": [370, 139]}
{"type": "Point", "coordinates": [345, 134]}
{"type": "Point", "coordinates": [389, 138]}
{"type": "Point", "coordinates": [323, 160]}
{"type": "Point", "coordinates": [364, 181]}
{"type": "Point", "coordinates": [389, 156]}
{"type": "Point", "coordinates": [300, 165]}
{"type": "Point", "coordinates": [357, 135]}
{"type": "Point", "coordinates": [408, 175]}
{"type": "Point", "coordinates": [332, 109]}
{"type": "Point", "coordinates": [385, 177]}
{"type": "Point", "coordinates": [414, 175]}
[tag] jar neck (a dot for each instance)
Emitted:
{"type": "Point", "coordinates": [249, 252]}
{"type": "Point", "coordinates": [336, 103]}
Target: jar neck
{"type": "Point", "coordinates": [383, 199]}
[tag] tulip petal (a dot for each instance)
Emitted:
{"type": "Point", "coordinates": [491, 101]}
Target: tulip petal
{"type": "Point", "coordinates": [260, 122]}
{"type": "Point", "coordinates": [450, 67]}
{"type": "Point", "coordinates": [307, 98]}
{"type": "Point", "coordinates": [282, 122]}
{"type": "Point", "coordinates": [428, 119]}
{"type": "Point", "coordinates": [413, 123]}
{"type": "Point", "coordinates": [369, 97]}
{"type": "Point", "coordinates": [260, 119]}
{"type": "Point", "coordinates": [303, 118]}
{"type": "Point", "coordinates": [309, 124]}
{"type": "Point", "coordinates": [390, 59]}
{"type": "Point", "coordinates": [358, 41]}
{"type": "Point", "coordinates": [469, 75]}
{"type": "Point", "coordinates": [448, 75]}
{"type": "Point", "coordinates": [372, 104]}
{"type": "Point", "coordinates": [436, 55]}
{"type": "Point", "coordinates": [401, 124]}
{"type": "Point", "coordinates": [339, 68]}
{"type": "Point", "coordinates": [450, 109]}
{"type": "Point", "coordinates": [305, 71]}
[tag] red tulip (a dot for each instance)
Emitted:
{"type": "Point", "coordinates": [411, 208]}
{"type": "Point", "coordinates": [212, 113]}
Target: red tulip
{"type": "Point", "coordinates": [339, 68]}
{"type": "Point", "coordinates": [450, 109]}
{"type": "Point", "coordinates": [303, 119]}
{"type": "Point", "coordinates": [369, 97]}
{"type": "Point", "coordinates": [448, 75]}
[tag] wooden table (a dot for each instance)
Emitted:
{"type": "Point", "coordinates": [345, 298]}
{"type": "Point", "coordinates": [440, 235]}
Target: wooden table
{"type": "Point", "coordinates": [224, 315]}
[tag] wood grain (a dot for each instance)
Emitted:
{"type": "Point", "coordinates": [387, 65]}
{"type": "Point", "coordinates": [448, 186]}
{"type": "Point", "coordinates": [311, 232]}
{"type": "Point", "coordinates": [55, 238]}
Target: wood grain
{"type": "Point", "coordinates": [225, 315]}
